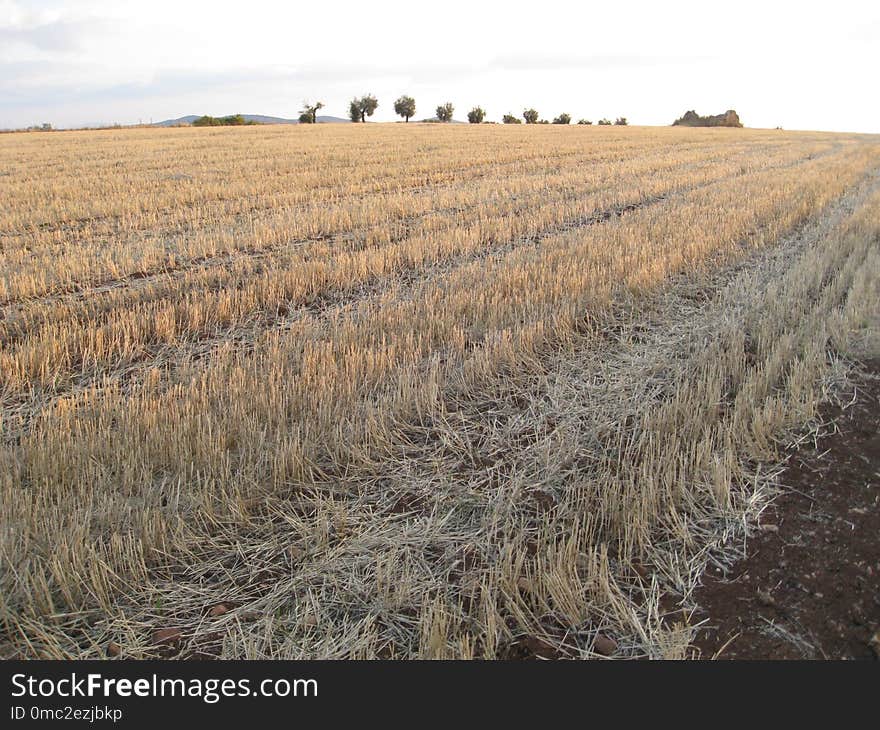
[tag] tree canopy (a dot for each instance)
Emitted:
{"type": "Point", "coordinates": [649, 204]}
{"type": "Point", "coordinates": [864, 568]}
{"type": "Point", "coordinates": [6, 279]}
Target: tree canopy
{"type": "Point", "coordinates": [309, 112]}
{"type": "Point", "coordinates": [233, 120]}
{"type": "Point", "coordinates": [405, 107]}
{"type": "Point", "coordinates": [444, 112]}
{"type": "Point", "coordinates": [361, 108]}
{"type": "Point", "coordinates": [476, 115]}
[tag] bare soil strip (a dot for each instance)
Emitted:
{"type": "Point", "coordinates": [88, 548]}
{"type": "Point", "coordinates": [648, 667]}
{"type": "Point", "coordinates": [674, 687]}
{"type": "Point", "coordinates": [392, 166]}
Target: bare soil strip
{"type": "Point", "coordinates": [810, 586]}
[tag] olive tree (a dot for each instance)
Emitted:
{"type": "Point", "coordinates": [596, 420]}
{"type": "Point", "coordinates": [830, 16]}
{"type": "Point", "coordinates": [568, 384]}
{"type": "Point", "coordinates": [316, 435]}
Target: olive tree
{"type": "Point", "coordinates": [476, 115]}
{"type": "Point", "coordinates": [444, 112]}
{"type": "Point", "coordinates": [309, 113]}
{"type": "Point", "coordinates": [405, 107]}
{"type": "Point", "coordinates": [360, 109]}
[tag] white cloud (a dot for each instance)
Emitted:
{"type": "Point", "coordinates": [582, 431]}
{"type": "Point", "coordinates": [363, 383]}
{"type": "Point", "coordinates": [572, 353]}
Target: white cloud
{"type": "Point", "coordinates": [793, 64]}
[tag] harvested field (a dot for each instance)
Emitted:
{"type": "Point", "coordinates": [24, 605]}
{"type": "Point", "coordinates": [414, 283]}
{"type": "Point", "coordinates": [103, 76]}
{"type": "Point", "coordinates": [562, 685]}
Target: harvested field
{"type": "Point", "coordinates": [423, 391]}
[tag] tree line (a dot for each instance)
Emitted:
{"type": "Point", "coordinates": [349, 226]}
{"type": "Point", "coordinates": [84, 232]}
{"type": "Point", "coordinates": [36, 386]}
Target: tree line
{"type": "Point", "coordinates": [233, 120]}
{"type": "Point", "coordinates": [364, 106]}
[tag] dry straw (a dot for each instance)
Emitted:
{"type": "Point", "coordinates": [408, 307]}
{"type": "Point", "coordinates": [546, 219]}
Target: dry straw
{"type": "Point", "coordinates": [407, 392]}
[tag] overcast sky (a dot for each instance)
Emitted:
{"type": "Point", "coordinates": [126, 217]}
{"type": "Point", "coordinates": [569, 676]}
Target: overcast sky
{"type": "Point", "coordinates": [800, 65]}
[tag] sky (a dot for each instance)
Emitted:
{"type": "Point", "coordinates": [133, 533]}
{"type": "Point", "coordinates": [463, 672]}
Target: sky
{"type": "Point", "coordinates": [799, 65]}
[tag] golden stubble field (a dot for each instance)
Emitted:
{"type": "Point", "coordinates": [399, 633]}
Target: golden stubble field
{"type": "Point", "coordinates": [407, 390]}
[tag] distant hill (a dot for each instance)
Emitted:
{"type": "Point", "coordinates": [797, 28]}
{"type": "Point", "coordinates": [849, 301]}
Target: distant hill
{"type": "Point", "coordinates": [179, 122]}
{"type": "Point", "coordinates": [691, 119]}
{"type": "Point", "coordinates": [258, 118]}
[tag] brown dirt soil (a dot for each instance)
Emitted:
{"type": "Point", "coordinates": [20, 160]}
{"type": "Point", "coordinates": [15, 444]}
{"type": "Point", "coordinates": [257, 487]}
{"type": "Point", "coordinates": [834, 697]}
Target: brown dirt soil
{"type": "Point", "coordinates": [810, 586]}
